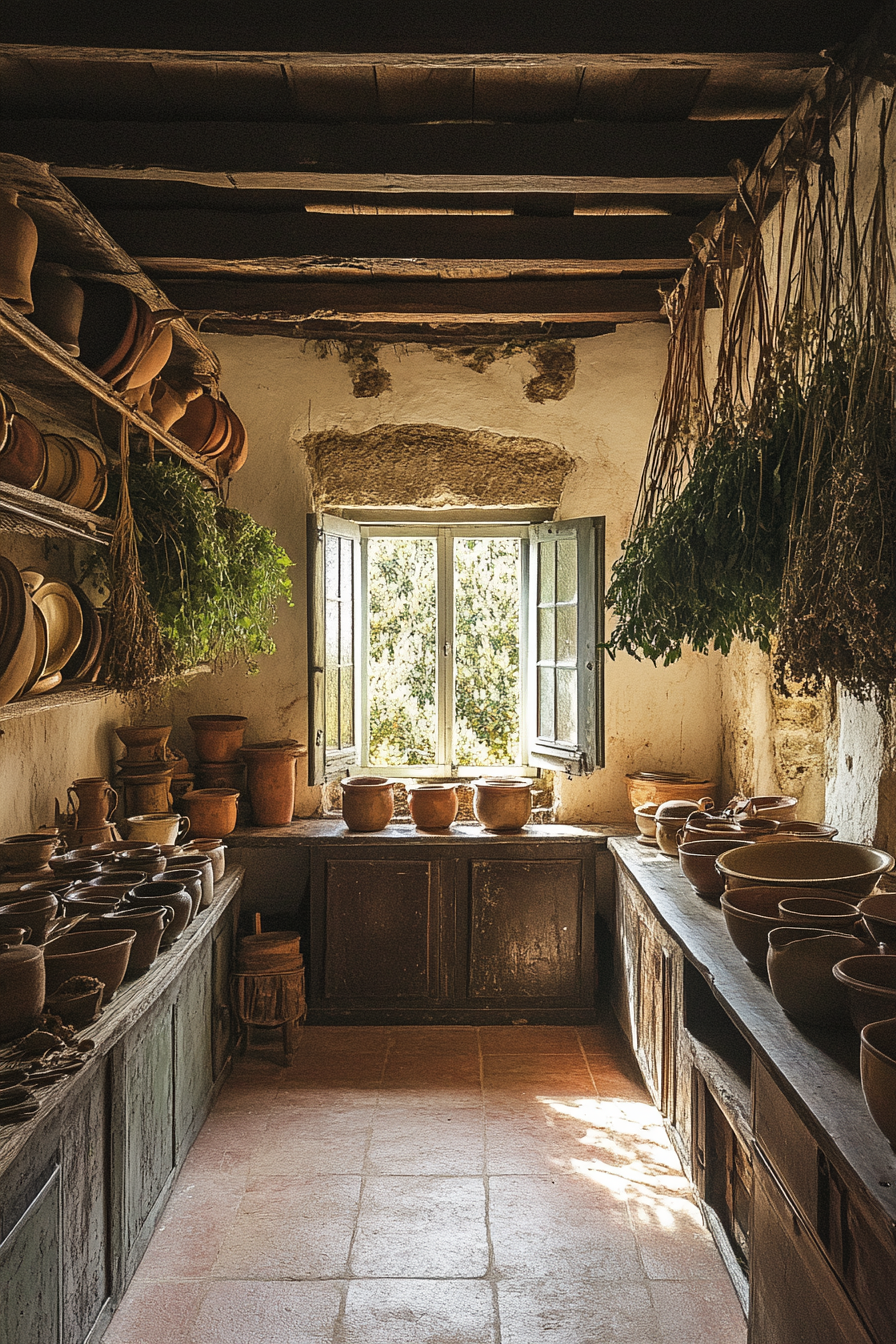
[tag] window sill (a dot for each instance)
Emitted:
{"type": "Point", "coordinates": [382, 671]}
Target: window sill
{"type": "Point", "coordinates": [316, 830]}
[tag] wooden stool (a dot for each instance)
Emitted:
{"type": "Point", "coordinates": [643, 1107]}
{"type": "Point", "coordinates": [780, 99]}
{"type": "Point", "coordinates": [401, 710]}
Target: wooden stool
{"type": "Point", "coordinates": [275, 1000]}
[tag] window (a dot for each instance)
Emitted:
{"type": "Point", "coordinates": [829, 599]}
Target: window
{"type": "Point", "coordinates": [453, 649]}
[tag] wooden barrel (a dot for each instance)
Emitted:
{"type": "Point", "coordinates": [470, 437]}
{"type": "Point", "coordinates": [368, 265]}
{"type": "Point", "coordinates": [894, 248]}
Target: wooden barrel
{"type": "Point", "coordinates": [266, 953]}
{"type": "Point", "coordinates": [269, 1000]}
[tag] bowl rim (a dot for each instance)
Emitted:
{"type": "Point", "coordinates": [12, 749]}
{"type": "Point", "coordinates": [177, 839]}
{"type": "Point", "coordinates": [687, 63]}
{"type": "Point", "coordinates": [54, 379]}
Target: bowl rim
{"type": "Point", "coordinates": [884, 862]}
{"type": "Point", "coordinates": [846, 978]}
{"type": "Point", "coordinates": [869, 1044]}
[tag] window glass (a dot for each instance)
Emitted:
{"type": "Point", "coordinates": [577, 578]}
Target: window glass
{"type": "Point", "coordinates": [401, 667]}
{"type": "Point", "coordinates": [486, 651]}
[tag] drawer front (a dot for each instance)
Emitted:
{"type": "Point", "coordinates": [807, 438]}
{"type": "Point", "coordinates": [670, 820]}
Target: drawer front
{"type": "Point", "coordinates": [787, 1142]}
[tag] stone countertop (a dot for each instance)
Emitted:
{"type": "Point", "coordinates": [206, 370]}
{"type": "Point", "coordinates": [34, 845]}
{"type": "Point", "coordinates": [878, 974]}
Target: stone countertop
{"type": "Point", "coordinates": [333, 829]}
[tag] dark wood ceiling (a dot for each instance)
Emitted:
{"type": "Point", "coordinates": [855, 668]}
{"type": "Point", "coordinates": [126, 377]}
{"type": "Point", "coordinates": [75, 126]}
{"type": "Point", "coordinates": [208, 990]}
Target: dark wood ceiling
{"type": "Point", "coordinates": [521, 169]}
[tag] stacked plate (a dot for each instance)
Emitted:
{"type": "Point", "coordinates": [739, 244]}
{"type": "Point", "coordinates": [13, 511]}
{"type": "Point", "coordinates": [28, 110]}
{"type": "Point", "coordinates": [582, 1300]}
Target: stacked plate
{"type": "Point", "coordinates": [66, 469]}
{"type": "Point", "coordinates": [214, 432]}
{"type": "Point", "coordinates": [49, 632]}
{"type": "Point", "coordinates": [120, 338]}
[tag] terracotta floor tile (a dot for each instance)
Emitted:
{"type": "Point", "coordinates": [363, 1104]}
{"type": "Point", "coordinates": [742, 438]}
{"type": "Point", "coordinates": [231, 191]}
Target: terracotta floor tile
{"type": "Point", "coordinates": [527, 1142]}
{"type": "Point", "coordinates": [291, 1228]}
{"type": "Point", "coordinates": [267, 1313]}
{"type": "Point", "coordinates": [699, 1311]}
{"type": "Point", "coordinates": [155, 1313]}
{"type": "Point", "coordinates": [355, 1040]}
{"type": "Point", "coordinates": [426, 1142]}
{"type": "Point", "coordinates": [321, 1097]}
{"type": "Point", "coordinates": [517, 1040]}
{"type": "Point", "coordinates": [429, 1227]}
{"type": "Point", "coordinates": [304, 1142]}
{"type": "Point", "coordinates": [673, 1242]}
{"type": "Point", "coordinates": [192, 1228]}
{"type": "Point", "coordinates": [418, 1311]}
{"type": "Point", "coordinates": [453, 1096]}
{"type": "Point", "coordinates": [543, 1226]}
{"type": "Point", "coordinates": [577, 1311]}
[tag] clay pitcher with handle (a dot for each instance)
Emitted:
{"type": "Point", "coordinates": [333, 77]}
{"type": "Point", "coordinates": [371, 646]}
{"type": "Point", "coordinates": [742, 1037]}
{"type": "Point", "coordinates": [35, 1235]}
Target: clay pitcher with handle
{"type": "Point", "coordinates": [96, 801]}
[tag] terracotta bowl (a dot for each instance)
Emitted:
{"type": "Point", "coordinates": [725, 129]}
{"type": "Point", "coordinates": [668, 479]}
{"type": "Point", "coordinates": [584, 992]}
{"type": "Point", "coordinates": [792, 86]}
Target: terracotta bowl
{"type": "Point", "coordinates": [698, 863]}
{"type": "Point", "coordinates": [150, 923]}
{"type": "Point", "coordinates": [645, 820]}
{"type": "Point", "coordinates": [777, 807]}
{"type": "Point", "coordinates": [879, 915]}
{"type": "Point", "coordinates": [871, 983]}
{"type": "Point", "coordinates": [836, 866]}
{"type": "Point", "coordinates": [433, 807]}
{"type": "Point", "coordinates": [750, 915]}
{"type": "Point", "coordinates": [502, 804]}
{"type": "Point", "coordinates": [191, 881]}
{"type": "Point", "coordinates": [819, 912]}
{"type": "Point", "coordinates": [878, 1067]}
{"type": "Point", "coordinates": [120, 883]}
{"type": "Point", "coordinates": [27, 851]}
{"type": "Point", "coordinates": [103, 955]}
{"type": "Point", "coordinates": [89, 901]}
{"type": "Point", "coordinates": [194, 861]}
{"type": "Point", "coordinates": [650, 786]}
{"type": "Point", "coordinates": [75, 870]}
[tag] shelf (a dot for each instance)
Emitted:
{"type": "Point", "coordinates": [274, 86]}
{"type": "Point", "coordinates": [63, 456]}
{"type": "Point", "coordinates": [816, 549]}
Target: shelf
{"type": "Point", "coordinates": [39, 516]}
{"type": "Point", "coordinates": [67, 693]}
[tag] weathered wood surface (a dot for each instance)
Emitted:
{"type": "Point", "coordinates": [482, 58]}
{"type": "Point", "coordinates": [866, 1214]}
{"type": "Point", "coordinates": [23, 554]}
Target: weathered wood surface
{"type": "Point", "coordinates": [311, 830]}
{"type": "Point", "coordinates": [395, 268]}
{"type": "Point", "coordinates": [31, 1272]}
{"type": "Point", "coordinates": [193, 1033]}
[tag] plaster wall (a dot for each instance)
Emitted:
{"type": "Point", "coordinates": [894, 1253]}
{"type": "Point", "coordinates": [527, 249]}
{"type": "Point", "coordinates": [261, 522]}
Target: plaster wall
{"type": "Point", "coordinates": [660, 717]}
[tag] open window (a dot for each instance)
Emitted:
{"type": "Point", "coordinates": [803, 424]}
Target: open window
{"type": "Point", "coordinates": [454, 649]}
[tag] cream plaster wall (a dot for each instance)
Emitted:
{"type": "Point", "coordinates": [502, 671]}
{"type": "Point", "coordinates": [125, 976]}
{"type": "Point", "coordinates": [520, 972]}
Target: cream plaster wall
{"type": "Point", "coordinates": [662, 717]}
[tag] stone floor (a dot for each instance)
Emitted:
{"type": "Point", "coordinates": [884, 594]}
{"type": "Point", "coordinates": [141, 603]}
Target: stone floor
{"type": "Point", "coordinates": [432, 1185]}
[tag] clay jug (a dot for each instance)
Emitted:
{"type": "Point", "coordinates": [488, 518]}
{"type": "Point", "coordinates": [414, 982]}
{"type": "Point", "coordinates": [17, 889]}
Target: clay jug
{"type": "Point", "coordinates": [367, 803]}
{"type": "Point", "coordinates": [58, 306]}
{"type": "Point", "coordinates": [801, 973]}
{"type": "Point", "coordinates": [218, 737]}
{"type": "Point", "coordinates": [97, 800]}
{"type": "Point", "coordinates": [191, 881]}
{"type": "Point", "coordinates": [271, 768]}
{"type": "Point", "coordinates": [18, 248]}
{"type": "Point", "coordinates": [195, 860]}
{"type": "Point", "coordinates": [22, 989]}
{"type": "Point", "coordinates": [170, 894]}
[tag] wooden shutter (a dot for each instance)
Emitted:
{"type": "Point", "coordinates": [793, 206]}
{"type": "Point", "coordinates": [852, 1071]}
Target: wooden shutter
{"type": "Point", "coordinates": [334, 641]}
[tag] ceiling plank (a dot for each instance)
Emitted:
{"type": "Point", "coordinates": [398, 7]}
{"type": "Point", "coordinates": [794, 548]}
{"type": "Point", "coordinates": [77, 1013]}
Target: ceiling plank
{"type": "Point", "coordinates": [650, 94]}
{"type": "Point", "coordinates": [398, 268]}
{"type": "Point", "coordinates": [398, 329]}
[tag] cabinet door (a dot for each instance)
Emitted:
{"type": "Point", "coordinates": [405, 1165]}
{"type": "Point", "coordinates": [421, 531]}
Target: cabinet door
{"type": "Point", "coordinates": [85, 1209]}
{"type": "Point", "coordinates": [147, 1126]}
{"type": "Point", "coordinates": [31, 1272]}
{"type": "Point", "coordinates": [375, 933]}
{"type": "Point", "coordinates": [222, 1013]}
{"type": "Point", "coordinates": [529, 941]}
{"type": "Point", "coordinates": [795, 1297]}
{"type": "Point", "coordinates": [192, 1048]}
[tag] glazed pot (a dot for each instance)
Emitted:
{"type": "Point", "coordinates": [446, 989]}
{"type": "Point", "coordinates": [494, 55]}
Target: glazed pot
{"type": "Point", "coordinates": [670, 819]}
{"type": "Point", "coordinates": [878, 1070]}
{"type": "Point", "coordinates": [368, 802]}
{"type": "Point", "coordinates": [750, 915]}
{"type": "Point", "coordinates": [147, 860]}
{"type": "Point", "coordinates": [120, 883]}
{"type": "Point", "coordinates": [502, 804]}
{"type": "Point", "coordinates": [193, 860]}
{"type": "Point", "coordinates": [103, 955]}
{"type": "Point", "coordinates": [218, 737]}
{"type": "Point", "coordinates": [215, 851]}
{"type": "Point", "coordinates": [22, 990]}
{"type": "Point", "coordinates": [36, 913]}
{"type": "Point", "coordinates": [211, 811]}
{"type": "Point", "coordinates": [647, 786]}
{"type": "Point", "coordinates": [879, 916]}
{"type": "Point", "coordinates": [800, 966]}
{"type": "Point", "coordinates": [433, 806]}
{"type": "Point", "coordinates": [645, 820]}
{"type": "Point", "coordinates": [58, 305]}
{"type": "Point", "coordinates": [18, 249]}
{"type": "Point", "coordinates": [149, 924]}
{"type": "Point", "coordinates": [271, 780]}
{"type": "Point", "coordinates": [191, 881]}
{"type": "Point", "coordinates": [803, 911]}
{"type": "Point", "coordinates": [24, 852]}
{"type": "Point", "coordinates": [75, 870]}
{"type": "Point", "coordinates": [159, 828]}
{"type": "Point", "coordinates": [96, 801]}
{"type": "Point", "coordinates": [835, 866]}
{"type": "Point", "coordinates": [870, 981]}
{"type": "Point", "coordinates": [172, 894]}
{"type": "Point", "coordinates": [773, 807]}
{"type": "Point", "coordinates": [147, 743]}
{"type": "Point", "coordinates": [698, 863]}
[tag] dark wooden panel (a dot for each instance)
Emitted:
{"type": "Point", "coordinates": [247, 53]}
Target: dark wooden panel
{"type": "Point", "coordinates": [787, 1142]}
{"type": "Point", "coordinates": [30, 1272]}
{"type": "Point", "coordinates": [148, 1122]}
{"type": "Point", "coordinates": [525, 922]}
{"type": "Point", "coordinates": [381, 930]}
{"type": "Point", "coordinates": [649, 1009]}
{"type": "Point", "coordinates": [192, 1047]}
{"type": "Point", "coordinates": [222, 1013]}
{"type": "Point", "coordinates": [86, 1197]}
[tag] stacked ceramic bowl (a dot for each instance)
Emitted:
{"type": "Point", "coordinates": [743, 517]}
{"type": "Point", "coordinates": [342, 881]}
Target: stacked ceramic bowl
{"type": "Point", "coordinates": [61, 467]}
{"type": "Point", "coordinates": [214, 432]}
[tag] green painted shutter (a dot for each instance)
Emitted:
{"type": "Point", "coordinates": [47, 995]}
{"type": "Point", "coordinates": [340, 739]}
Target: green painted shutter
{"type": "Point", "coordinates": [334, 641]}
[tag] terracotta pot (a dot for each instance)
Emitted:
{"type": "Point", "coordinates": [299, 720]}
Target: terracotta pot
{"type": "Point", "coordinates": [774, 807]}
{"type": "Point", "coordinates": [670, 819]}
{"type": "Point", "coordinates": [103, 955]}
{"type": "Point", "coordinates": [22, 990]}
{"type": "Point", "coordinates": [433, 806]}
{"type": "Point", "coordinates": [18, 248]}
{"type": "Point", "coordinates": [698, 863]}
{"type": "Point", "coordinates": [215, 851]}
{"type": "Point", "coordinates": [271, 777]}
{"type": "Point", "coordinates": [194, 860]}
{"type": "Point", "coordinates": [211, 811]}
{"type": "Point", "coordinates": [642, 788]}
{"type": "Point", "coordinates": [158, 828]}
{"type": "Point", "coordinates": [879, 917]}
{"type": "Point", "coordinates": [25, 852]}
{"type": "Point", "coordinates": [169, 403]}
{"type": "Point", "coordinates": [502, 804]}
{"type": "Point", "coordinates": [368, 802]}
{"type": "Point", "coordinates": [645, 820]}
{"type": "Point", "coordinates": [148, 795]}
{"type": "Point", "coordinates": [808, 911]}
{"type": "Point", "coordinates": [750, 915]}
{"type": "Point", "coordinates": [97, 801]}
{"type": "Point", "coordinates": [146, 743]}
{"type": "Point", "coordinates": [801, 973]}
{"type": "Point", "coordinates": [218, 737]}
{"type": "Point", "coordinates": [835, 866]}
{"type": "Point", "coordinates": [170, 894]}
{"type": "Point", "coordinates": [191, 881]}
{"type": "Point", "coordinates": [870, 981]}
{"type": "Point", "coordinates": [221, 775]}
{"type": "Point", "coordinates": [58, 306]}
{"type": "Point", "coordinates": [878, 1069]}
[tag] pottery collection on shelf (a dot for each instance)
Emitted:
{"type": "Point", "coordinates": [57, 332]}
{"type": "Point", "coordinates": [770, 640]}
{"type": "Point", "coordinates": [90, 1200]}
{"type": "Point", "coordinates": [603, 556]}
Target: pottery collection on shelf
{"type": "Point", "coordinates": [50, 632]}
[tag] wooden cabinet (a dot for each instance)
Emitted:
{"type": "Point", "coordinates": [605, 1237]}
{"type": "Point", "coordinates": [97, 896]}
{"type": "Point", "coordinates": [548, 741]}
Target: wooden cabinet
{"type": "Point", "coordinates": [452, 931]}
{"type": "Point", "coordinates": [82, 1184]}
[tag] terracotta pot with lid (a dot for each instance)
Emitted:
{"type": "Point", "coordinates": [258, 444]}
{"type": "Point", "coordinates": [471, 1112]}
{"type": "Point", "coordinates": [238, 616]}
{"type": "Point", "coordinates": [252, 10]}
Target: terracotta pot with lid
{"type": "Point", "coordinates": [368, 802]}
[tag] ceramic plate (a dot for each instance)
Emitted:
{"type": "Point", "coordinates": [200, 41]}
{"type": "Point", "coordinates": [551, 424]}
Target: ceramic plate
{"type": "Point", "coordinates": [81, 662]}
{"type": "Point", "coordinates": [65, 622]}
{"type": "Point", "coordinates": [18, 635]}
{"type": "Point", "coordinates": [23, 460]}
{"type": "Point", "coordinates": [62, 467]}
{"type": "Point", "coordinates": [89, 487]}
{"type": "Point", "coordinates": [42, 647]}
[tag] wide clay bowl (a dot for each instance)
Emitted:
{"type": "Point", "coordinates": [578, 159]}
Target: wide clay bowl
{"type": "Point", "coordinates": [878, 1068]}
{"type": "Point", "coordinates": [879, 915]}
{"type": "Point", "coordinates": [502, 804]}
{"type": "Point", "coordinates": [698, 863]}
{"type": "Point", "coordinates": [801, 973]}
{"type": "Point", "coordinates": [22, 988]}
{"type": "Point", "coordinates": [659, 786]}
{"type": "Point", "coordinates": [368, 802]}
{"type": "Point", "coordinates": [805, 830]}
{"type": "Point", "coordinates": [150, 924]}
{"type": "Point", "coordinates": [750, 915]}
{"type": "Point", "coordinates": [819, 912]}
{"type": "Point", "coordinates": [836, 866]}
{"type": "Point", "coordinates": [102, 955]}
{"type": "Point", "coordinates": [433, 807]}
{"type": "Point", "coordinates": [211, 810]}
{"type": "Point", "coordinates": [77, 1001]}
{"type": "Point", "coordinates": [36, 913]}
{"type": "Point", "coordinates": [119, 883]}
{"type": "Point", "coordinates": [172, 894]}
{"type": "Point", "coordinates": [871, 983]}
{"type": "Point", "coordinates": [75, 870]}
{"type": "Point", "coordinates": [27, 851]}
{"type": "Point", "coordinates": [645, 820]}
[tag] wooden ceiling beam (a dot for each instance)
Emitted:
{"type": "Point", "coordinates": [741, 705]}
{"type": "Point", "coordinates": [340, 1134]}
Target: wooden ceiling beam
{"type": "Point", "coordinates": [166, 269]}
{"type": "Point", "coordinates": [398, 328]}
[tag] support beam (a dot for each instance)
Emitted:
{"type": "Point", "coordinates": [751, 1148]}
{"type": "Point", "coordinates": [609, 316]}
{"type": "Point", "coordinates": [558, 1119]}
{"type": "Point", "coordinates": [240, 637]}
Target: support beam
{"type": "Point", "coordinates": [167, 269]}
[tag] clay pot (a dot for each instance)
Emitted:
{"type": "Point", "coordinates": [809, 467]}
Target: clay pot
{"type": "Point", "coordinates": [91, 901]}
{"type": "Point", "coordinates": [35, 913]}
{"type": "Point", "coordinates": [433, 806]}
{"type": "Point", "coordinates": [646, 786]}
{"type": "Point", "coordinates": [148, 795]}
{"type": "Point", "coordinates": [149, 924]}
{"type": "Point", "coordinates": [97, 800]}
{"type": "Point", "coordinates": [775, 807]}
{"type": "Point", "coordinates": [878, 1069]}
{"type": "Point", "coordinates": [191, 881]}
{"type": "Point", "coordinates": [750, 915]}
{"type": "Point", "coordinates": [58, 306]}
{"type": "Point", "coordinates": [367, 803]}
{"type": "Point", "coordinates": [218, 737]}
{"type": "Point", "coordinates": [502, 804]}
{"type": "Point", "coordinates": [818, 912]}
{"type": "Point", "coordinates": [146, 743]}
{"type": "Point", "coordinates": [158, 828]}
{"type": "Point", "coordinates": [194, 860]}
{"type": "Point", "coordinates": [804, 830]}
{"type": "Point", "coordinates": [215, 851]}
{"type": "Point", "coordinates": [13, 937]}
{"type": "Point", "coordinates": [25, 852]}
{"type": "Point", "coordinates": [271, 777]}
{"type": "Point", "coordinates": [801, 973]}
{"type": "Point", "coordinates": [102, 955]}
{"type": "Point", "coordinates": [870, 981]}
{"type": "Point", "coordinates": [211, 811]}
{"type": "Point", "coordinates": [22, 990]}
{"type": "Point", "coordinates": [76, 1001]}
{"type": "Point", "coordinates": [835, 866]}
{"type": "Point", "coordinates": [645, 820]}
{"type": "Point", "coordinates": [170, 894]}
{"type": "Point", "coordinates": [698, 863]}
{"type": "Point", "coordinates": [119, 884]}
{"type": "Point", "coordinates": [74, 870]}
{"type": "Point", "coordinates": [670, 819]}
{"type": "Point", "coordinates": [150, 861]}
{"type": "Point", "coordinates": [705, 826]}
{"type": "Point", "coordinates": [18, 248]}
{"type": "Point", "coordinates": [879, 916]}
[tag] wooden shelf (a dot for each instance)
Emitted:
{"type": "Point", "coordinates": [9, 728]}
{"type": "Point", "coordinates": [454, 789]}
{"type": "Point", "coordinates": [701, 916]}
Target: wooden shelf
{"type": "Point", "coordinates": [67, 693]}
{"type": "Point", "coordinates": [39, 516]}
